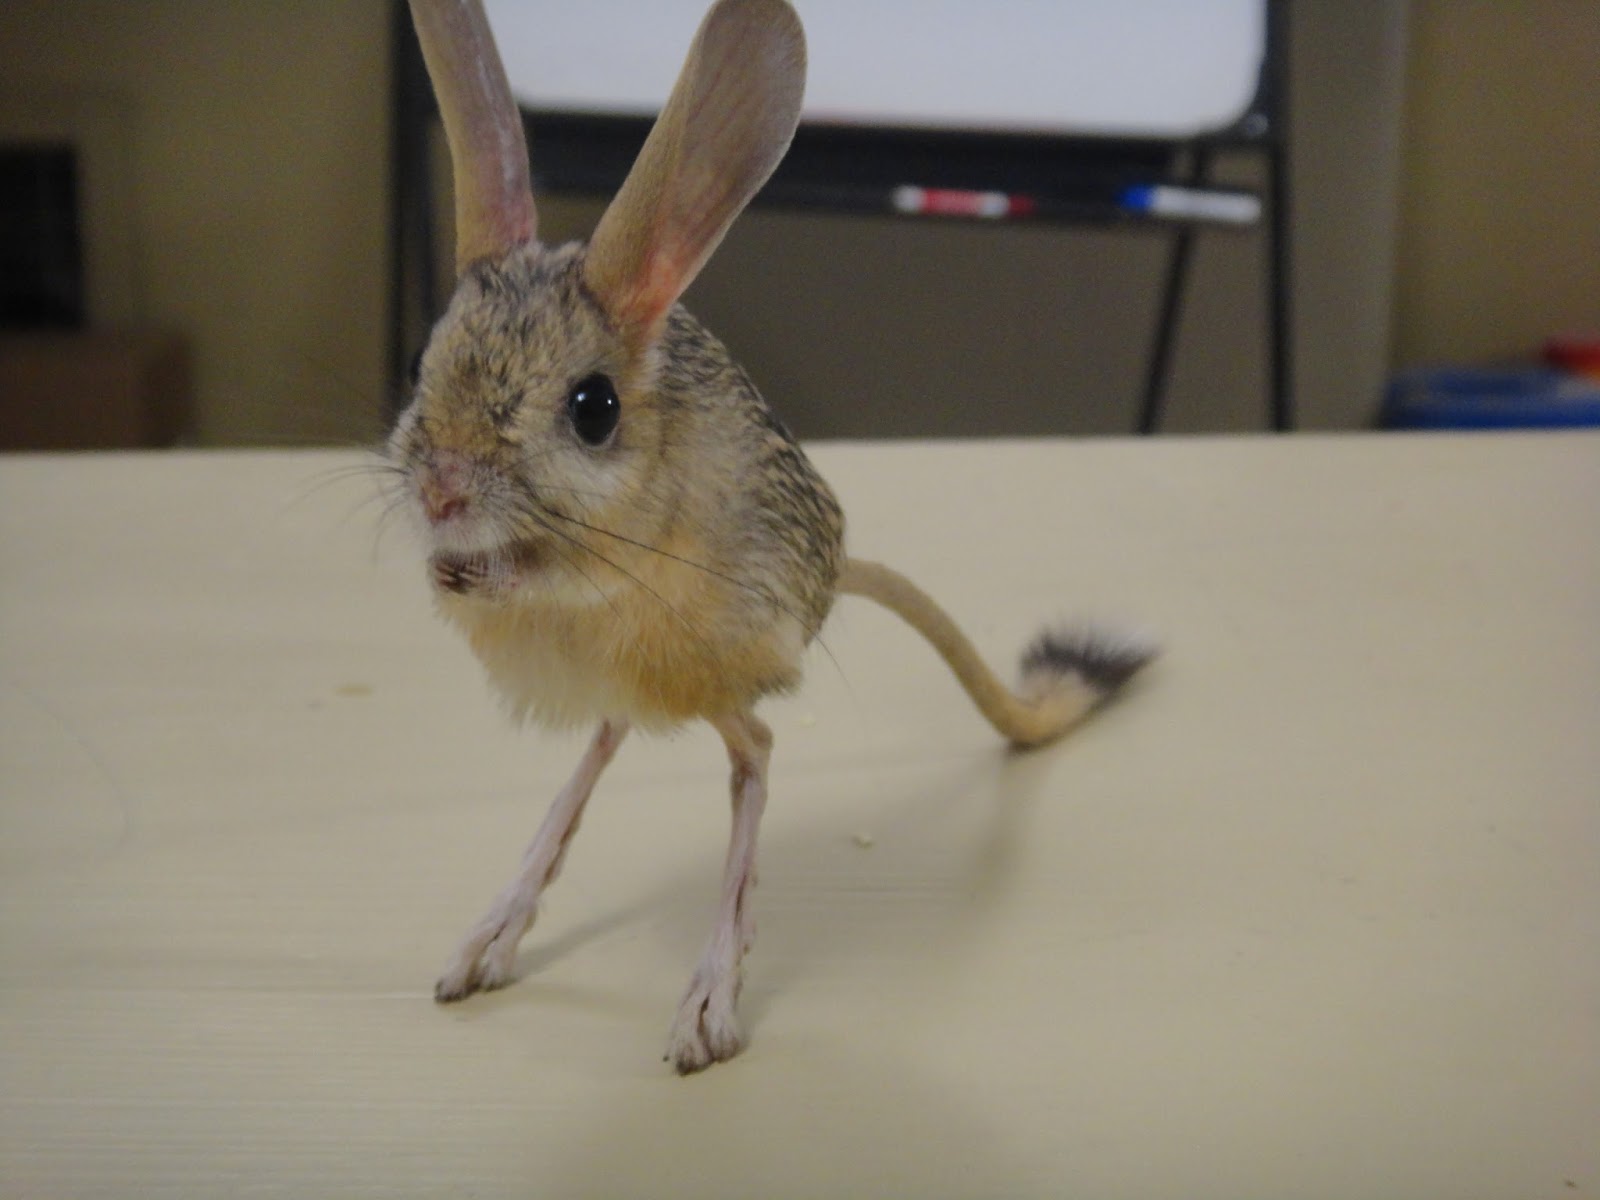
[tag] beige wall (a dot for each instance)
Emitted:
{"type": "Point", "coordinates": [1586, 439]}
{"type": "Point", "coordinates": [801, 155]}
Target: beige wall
{"type": "Point", "coordinates": [260, 148]}
{"type": "Point", "coordinates": [259, 144]}
{"type": "Point", "coordinates": [1500, 230]}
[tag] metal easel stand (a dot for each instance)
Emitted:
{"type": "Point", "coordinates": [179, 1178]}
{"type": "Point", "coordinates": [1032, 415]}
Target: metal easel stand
{"type": "Point", "coordinates": [1264, 130]}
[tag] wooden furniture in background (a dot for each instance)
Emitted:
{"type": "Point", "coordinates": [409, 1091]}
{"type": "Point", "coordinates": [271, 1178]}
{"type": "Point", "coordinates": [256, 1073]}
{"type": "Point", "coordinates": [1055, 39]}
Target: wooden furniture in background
{"type": "Point", "coordinates": [92, 391]}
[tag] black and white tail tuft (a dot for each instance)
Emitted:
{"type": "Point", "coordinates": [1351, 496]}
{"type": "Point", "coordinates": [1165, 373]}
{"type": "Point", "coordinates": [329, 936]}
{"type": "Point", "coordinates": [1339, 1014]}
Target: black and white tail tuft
{"type": "Point", "coordinates": [1100, 659]}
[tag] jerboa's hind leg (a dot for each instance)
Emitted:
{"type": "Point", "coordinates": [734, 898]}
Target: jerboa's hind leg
{"type": "Point", "coordinates": [487, 957]}
{"type": "Point", "coordinates": [706, 1029]}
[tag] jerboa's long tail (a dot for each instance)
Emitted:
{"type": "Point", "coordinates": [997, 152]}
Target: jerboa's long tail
{"type": "Point", "coordinates": [1066, 673]}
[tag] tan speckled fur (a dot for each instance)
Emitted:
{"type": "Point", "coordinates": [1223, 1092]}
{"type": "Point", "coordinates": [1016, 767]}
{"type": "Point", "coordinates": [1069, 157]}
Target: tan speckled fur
{"type": "Point", "coordinates": [685, 566]}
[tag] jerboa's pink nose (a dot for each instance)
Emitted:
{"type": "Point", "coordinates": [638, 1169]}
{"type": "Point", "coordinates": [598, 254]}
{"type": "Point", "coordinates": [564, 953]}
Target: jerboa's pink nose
{"type": "Point", "coordinates": [443, 489]}
{"type": "Point", "coordinates": [440, 508]}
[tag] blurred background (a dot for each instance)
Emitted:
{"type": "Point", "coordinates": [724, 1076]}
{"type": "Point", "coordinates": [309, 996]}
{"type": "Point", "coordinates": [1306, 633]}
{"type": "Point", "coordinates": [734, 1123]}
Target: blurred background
{"type": "Point", "coordinates": [226, 171]}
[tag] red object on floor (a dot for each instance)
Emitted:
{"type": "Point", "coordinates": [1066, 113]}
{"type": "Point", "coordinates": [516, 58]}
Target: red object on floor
{"type": "Point", "coordinates": [1577, 354]}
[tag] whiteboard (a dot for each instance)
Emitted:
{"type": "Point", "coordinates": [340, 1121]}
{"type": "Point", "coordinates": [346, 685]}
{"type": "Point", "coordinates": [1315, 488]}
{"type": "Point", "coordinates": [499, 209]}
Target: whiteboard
{"type": "Point", "coordinates": [1128, 68]}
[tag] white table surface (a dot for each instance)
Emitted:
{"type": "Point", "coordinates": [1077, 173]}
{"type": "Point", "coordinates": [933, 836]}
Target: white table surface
{"type": "Point", "coordinates": [1313, 912]}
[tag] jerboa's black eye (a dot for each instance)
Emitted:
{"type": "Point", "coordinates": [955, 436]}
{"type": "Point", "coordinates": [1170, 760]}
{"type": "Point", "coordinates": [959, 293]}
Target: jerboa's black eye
{"type": "Point", "coordinates": [594, 408]}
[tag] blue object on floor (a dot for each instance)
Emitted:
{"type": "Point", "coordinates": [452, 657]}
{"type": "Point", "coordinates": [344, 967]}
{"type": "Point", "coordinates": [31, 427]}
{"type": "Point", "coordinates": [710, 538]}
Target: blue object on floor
{"type": "Point", "coordinates": [1467, 398]}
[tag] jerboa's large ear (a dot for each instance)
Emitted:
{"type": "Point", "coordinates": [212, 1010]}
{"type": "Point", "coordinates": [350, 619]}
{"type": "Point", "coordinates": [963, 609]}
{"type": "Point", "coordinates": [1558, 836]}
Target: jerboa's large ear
{"type": "Point", "coordinates": [488, 152]}
{"type": "Point", "coordinates": [726, 125]}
